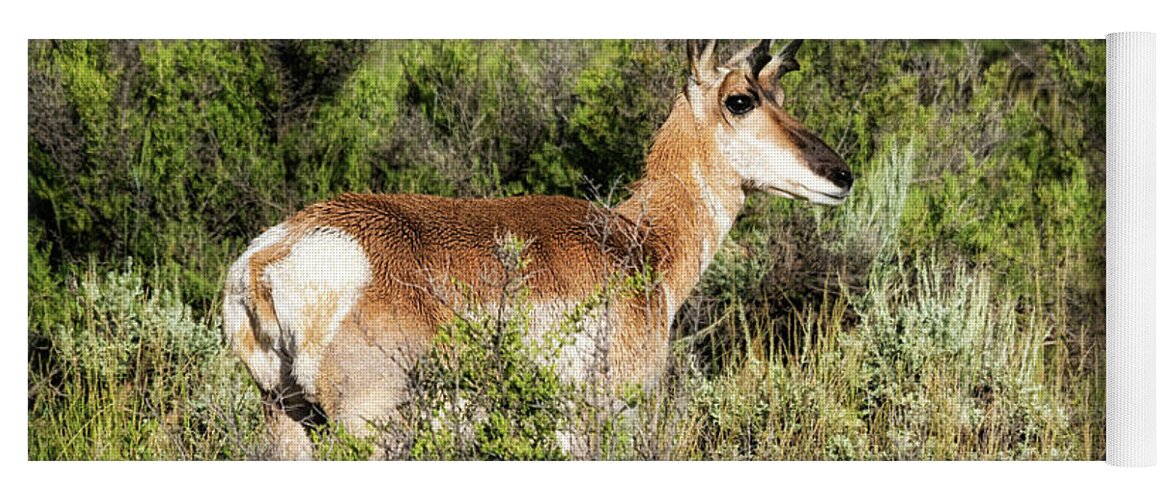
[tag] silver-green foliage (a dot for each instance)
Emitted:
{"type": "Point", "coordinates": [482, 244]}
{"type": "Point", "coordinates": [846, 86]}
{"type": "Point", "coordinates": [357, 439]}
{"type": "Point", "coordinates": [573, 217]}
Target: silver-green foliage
{"type": "Point", "coordinates": [139, 377]}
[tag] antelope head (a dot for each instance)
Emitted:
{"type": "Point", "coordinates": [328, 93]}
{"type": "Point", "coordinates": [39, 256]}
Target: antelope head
{"type": "Point", "coordinates": [740, 102]}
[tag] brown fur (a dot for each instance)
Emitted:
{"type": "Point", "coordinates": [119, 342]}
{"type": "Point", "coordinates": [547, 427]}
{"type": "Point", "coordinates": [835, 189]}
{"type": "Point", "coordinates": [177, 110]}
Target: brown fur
{"type": "Point", "coordinates": [411, 239]}
{"type": "Point", "coordinates": [572, 248]}
{"type": "Point", "coordinates": [261, 294]}
{"type": "Point", "coordinates": [417, 245]}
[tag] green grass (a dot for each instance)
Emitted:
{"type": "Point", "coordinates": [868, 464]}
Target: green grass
{"type": "Point", "coordinates": [933, 360]}
{"type": "Point", "coordinates": [129, 372]}
{"type": "Point", "coordinates": [953, 308]}
{"type": "Point", "coordinates": [936, 368]}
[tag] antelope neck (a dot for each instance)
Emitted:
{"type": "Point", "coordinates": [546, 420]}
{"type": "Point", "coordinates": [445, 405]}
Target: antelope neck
{"type": "Point", "coordinates": [688, 198]}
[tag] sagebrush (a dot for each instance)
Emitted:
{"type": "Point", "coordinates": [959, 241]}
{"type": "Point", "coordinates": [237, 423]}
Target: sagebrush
{"type": "Point", "coordinates": [954, 308]}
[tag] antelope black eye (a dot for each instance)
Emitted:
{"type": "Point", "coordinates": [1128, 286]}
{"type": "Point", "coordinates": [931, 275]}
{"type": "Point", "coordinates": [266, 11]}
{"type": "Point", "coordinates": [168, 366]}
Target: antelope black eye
{"type": "Point", "coordinates": [739, 104]}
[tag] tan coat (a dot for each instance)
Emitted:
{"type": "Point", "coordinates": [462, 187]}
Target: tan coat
{"type": "Point", "coordinates": [332, 306]}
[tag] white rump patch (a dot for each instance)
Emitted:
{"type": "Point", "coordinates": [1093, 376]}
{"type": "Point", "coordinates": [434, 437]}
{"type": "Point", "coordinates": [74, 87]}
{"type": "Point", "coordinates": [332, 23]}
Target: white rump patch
{"type": "Point", "coordinates": [264, 365]}
{"type": "Point", "coordinates": [313, 289]}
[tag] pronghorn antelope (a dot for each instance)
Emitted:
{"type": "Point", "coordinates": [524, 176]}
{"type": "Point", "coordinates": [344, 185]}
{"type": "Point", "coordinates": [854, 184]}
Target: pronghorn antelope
{"type": "Point", "coordinates": [330, 307]}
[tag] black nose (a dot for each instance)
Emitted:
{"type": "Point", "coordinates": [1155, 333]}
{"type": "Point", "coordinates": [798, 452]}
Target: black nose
{"type": "Point", "coordinates": [842, 178]}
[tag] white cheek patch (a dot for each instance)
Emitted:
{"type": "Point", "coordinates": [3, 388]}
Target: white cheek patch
{"type": "Point", "coordinates": [768, 163]}
{"type": "Point", "coordinates": [313, 290]}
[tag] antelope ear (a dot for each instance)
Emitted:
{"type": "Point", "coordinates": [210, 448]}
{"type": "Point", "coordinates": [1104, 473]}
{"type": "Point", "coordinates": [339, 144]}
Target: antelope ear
{"type": "Point", "coordinates": [784, 62]}
{"type": "Point", "coordinates": [703, 65]}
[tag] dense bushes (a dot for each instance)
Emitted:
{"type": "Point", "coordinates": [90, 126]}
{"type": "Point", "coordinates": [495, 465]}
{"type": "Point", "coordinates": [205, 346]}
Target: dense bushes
{"type": "Point", "coordinates": [981, 195]}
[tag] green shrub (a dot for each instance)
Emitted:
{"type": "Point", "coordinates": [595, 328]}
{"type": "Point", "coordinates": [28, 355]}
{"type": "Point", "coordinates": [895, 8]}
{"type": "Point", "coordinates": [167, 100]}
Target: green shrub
{"type": "Point", "coordinates": [944, 361]}
{"type": "Point", "coordinates": [176, 153]}
{"type": "Point", "coordinates": [129, 373]}
{"type": "Point", "coordinates": [621, 96]}
{"type": "Point", "coordinates": [937, 368]}
{"type": "Point", "coordinates": [488, 390]}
